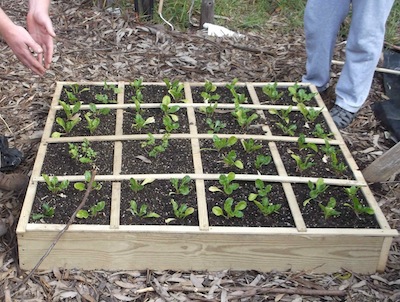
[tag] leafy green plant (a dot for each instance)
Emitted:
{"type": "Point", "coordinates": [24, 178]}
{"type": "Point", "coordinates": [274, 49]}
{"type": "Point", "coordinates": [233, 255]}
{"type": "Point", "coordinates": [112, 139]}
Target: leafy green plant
{"type": "Point", "coordinates": [232, 86]}
{"type": "Point", "coordinates": [303, 163]}
{"type": "Point", "coordinates": [208, 94]}
{"type": "Point", "coordinates": [215, 126]}
{"type": "Point", "coordinates": [303, 145]}
{"type": "Point", "coordinates": [320, 133]}
{"type": "Point", "coordinates": [156, 149]}
{"type": "Point", "coordinates": [228, 186]}
{"type": "Point", "coordinates": [137, 186]}
{"type": "Point", "coordinates": [70, 111]}
{"type": "Point", "coordinates": [329, 210]}
{"type": "Point", "coordinates": [66, 125]}
{"type": "Point", "coordinates": [83, 153]}
{"type": "Point", "coordinates": [262, 190]}
{"type": "Point", "coordinates": [54, 185]}
{"type": "Point", "coordinates": [231, 161]}
{"type": "Point", "coordinates": [72, 98]}
{"type": "Point", "coordinates": [82, 186]}
{"type": "Point", "coordinates": [331, 152]}
{"type": "Point", "coordinates": [310, 114]}
{"type": "Point", "coordinates": [92, 212]}
{"type": "Point", "coordinates": [288, 129]}
{"type": "Point", "coordinates": [138, 100]}
{"type": "Point", "coordinates": [249, 145]}
{"type": "Point", "coordinates": [262, 160]}
{"type": "Point", "coordinates": [316, 189]}
{"type": "Point", "coordinates": [75, 88]}
{"type": "Point", "coordinates": [103, 98]}
{"type": "Point", "coordinates": [175, 89]}
{"type": "Point", "coordinates": [139, 122]}
{"type": "Point", "coordinates": [181, 186]}
{"type": "Point", "coordinates": [111, 87]}
{"type": "Point", "coordinates": [181, 211]}
{"type": "Point", "coordinates": [92, 123]}
{"type": "Point", "coordinates": [272, 92]}
{"type": "Point", "coordinates": [209, 110]}
{"type": "Point", "coordinates": [169, 124]}
{"type": "Point", "coordinates": [168, 109]}
{"type": "Point", "coordinates": [221, 143]}
{"type": "Point", "coordinates": [47, 212]}
{"type": "Point", "coordinates": [141, 211]}
{"type": "Point", "coordinates": [242, 118]}
{"type": "Point", "coordinates": [266, 207]}
{"type": "Point", "coordinates": [300, 95]}
{"type": "Point", "coordinates": [230, 210]}
{"type": "Point", "coordinates": [137, 84]}
{"type": "Point", "coordinates": [356, 205]}
{"type": "Point", "coordinates": [283, 114]}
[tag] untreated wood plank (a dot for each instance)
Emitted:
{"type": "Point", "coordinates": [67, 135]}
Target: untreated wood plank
{"type": "Point", "coordinates": [207, 12]}
{"type": "Point", "coordinates": [384, 166]}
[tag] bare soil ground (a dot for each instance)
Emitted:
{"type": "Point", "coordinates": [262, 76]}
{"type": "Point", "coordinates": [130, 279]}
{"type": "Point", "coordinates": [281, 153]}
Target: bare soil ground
{"type": "Point", "coordinates": [95, 46]}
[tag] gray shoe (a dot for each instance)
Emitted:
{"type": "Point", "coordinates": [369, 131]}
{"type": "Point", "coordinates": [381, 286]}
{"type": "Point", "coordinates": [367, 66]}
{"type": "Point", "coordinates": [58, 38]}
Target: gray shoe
{"type": "Point", "coordinates": [342, 117]}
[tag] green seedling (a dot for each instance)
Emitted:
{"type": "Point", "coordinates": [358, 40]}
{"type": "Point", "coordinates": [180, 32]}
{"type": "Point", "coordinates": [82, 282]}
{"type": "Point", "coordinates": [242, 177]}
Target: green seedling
{"type": "Point", "coordinates": [221, 143]}
{"type": "Point", "coordinates": [92, 212]}
{"type": "Point", "coordinates": [175, 89]}
{"type": "Point", "coordinates": [168, 109]}
{"type": "Point", "coordinates": [303, 145]}
{"type": "Point", "coordinates": [229, 210]}
{"type": "Point", "coordinates": [249, 145]}
{"type": "Point", "coordinates": [169, 124]}
{"type": "Point", "coordinates": [331, 152]}
{"type": "Point", "coordinates": [232, 86]}
{"type": "Point", "coordinates": [72, 99]}
{"type": "Point", "coordinates": [139, 122]}
{"type": "Point", "coordinates": [137, 84]}
{"type": "Point", "coordinates": [266, 207]}
{"type": "Point", "coordinates": [215, 127]}
{"type": "Point", "coordinates": [272, 92]}
{"type": "Point", "coordinates": [67, 125]}
{"type": "Point", "coordinates": [181, 211]}
{"type": "Point", "coordinates": [98, 111]}
{"type": "Point", "coordinates": [209, 86]}
{"type": "Point", "coordinates": [300, 95]}
{"type": "Point", "coordinates": [262, 190]}
{"type": "Point", "coordinates": [92, 123]}
{"type": "Point", "coordinates": [310, 114]}
{"type": "Point", "coordinates": [356, 205]}
{"type": "Point", "coordinates": [303, 164]}
{"type": "Point", "coordinates": [320, 133]}
{"type": "Point", "coordinates": [209, 110]}
{"type": "Point", "coordinates": [209, 97]}
{"type": "Point", "coordinates": [283, 114]}
{"type": "Point", "coordinates": [228, 186]}
{"type": "Point", "coordinates": [70, 111]}
{"type": "Point", "coordinates": [242, 118]}
{"type": "Point", "coordinates": [82, 186]}
{"type": "Point", "coordinates": [111, 87]}
{"type": "Point", "coordinates": [231, 161]}
{"type": "Point", "coordinates": [54, 185]}
{"type": "Point", "coordinates": [262, 160]}
{"type": "Point", "coordinates": [329, 209]}
{"type": "Point", "coordinates": [142, 211]}
{"type": "Point", "coordinates": [83, 153]}
{"type": "Point", "coordinates": [75, 88]}
{"type": "Point", "coordinates": [316, 189]}
{"type": "Point", "coordinates": [181, 186]}
{"type": "Point", "coordinates": [239, 98]}
{"type": "Point", "coordinates": [157, 149]}
{"type": "Point", "coordinates": [288, 129]}
{"type": "Point", "coordinates": [293, 90]}
{"type": "Point", "coordinates": [103, 98]}
{"type": "Point", "coordinates": [47, 212]}
{"type": "Point", "coordinates": [138, 100]}
{"type": "Point", "coordinates": [137, 186]}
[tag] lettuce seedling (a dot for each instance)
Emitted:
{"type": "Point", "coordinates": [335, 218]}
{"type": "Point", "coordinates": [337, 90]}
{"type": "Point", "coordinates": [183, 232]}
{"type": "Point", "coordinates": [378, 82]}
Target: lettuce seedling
{"type": "Point", "coordinates": [305, 146]}
{"type": "Point", "coordinates": [70, 111]}
{"type": "Point", "coordinates": [82, 186]}
{"type": "Point", "coordinates": [181, 211]}
{"type": "Point", "coordinates": [266, 207]}
{"type": "Point", "coordinates": [320, 133]}
{"type": "Point", "coordinates": [168, 109]}
{"type": "Point", "coordinates": [229, 211]}
{"type": "Point", "coordinates": [227, 185]}
{"type": "Point", "coordinates": [54, 185]}
{"type": "Point", "coordinates": [169, 124]}
{"type": "Point", "coordinates": [209, 86]}
{"type": "Point", "coordinates": [214, 126]}
{"type": "Point", "coordinates": [181, 187]}
{"type": "Point", "coordinates": [242, 118]}
{"type": "Point", "coordinates": [262, 190]}
{"type": "Point", "coordinates": [315, 189]}
{"type": "Point", "coordinates": [111, 87]}
{"type": "Point", "coordinates": [47, 212]}
{"type": "Point", "coordinates": [92, 124]}
{"type": "Point", "coordinates": [209, 110]}
{"type": "Point", "coordinates": [72, 99]}
{"type": "Point", "coordinates": [139, 122]}
{"type": "Point", "coordinates": [103, 98]}
{"type": "Point", "coordinates": [157, 148]}
{"type": "Point", "coordinates": [300, 95]}
{"type": "Point", "coordinates": [287, 129]}
{"type": "Point", "coordinates": [141, 212]}
{"type": "Point", "coordinates": [310, 114]}
{"type": "Point", "coordinates": [283, 114]}
{"type": "Point", "coordinates": [271, 91]}
{"type": "Point", "coordinates": [83, 153]}
{"type": "Point", "coordinates": [175, 89]}
{"type": "Point", "coordinates": [93, 211]}
{"type": "Point", "coordinates": [137, 186]}
{"type": "Point", "coordinates": [262, 160]}
{"type": "Point", "coordinates": [67, 125]}
{"type": "Point", "coordinates": [329, 209]}
{"type": "Point", "coordinates": [249, 145]}
{"type": "Point", "coordinates": [303, 164]}
{"type": "Point", "coordinates": [356, 205]}
{"type": "Point", "coordinates": [220, 143]}
{"type": "Point", "coordinates": [137, 84]}
{"type": "Point", "coordinates": [231, 161]}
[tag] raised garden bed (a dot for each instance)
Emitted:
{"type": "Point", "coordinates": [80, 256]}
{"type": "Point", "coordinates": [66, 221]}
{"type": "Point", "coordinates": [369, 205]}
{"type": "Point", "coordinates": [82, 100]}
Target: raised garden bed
{"type": "Point", "coordinates": [273, 152]}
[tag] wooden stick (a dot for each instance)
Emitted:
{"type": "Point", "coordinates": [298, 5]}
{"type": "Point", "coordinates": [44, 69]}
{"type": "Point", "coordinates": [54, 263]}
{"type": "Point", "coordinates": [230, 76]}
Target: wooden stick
{"type": "Point", "coordinates": [384, 70]}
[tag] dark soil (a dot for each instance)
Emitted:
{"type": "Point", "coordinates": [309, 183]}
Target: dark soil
{"type": "Point", "coordinates": [65, 204]}
{"type": "Point", "coordinates": [157, 196]}
{"type": "Point", "coordinates": [89, 96]}
{"type": "Point", "coordinates": [151, 93]}
{"type": "Point", "coordinates": [226, 96]}
{"type": "Point", "coordinates": [286, 99]}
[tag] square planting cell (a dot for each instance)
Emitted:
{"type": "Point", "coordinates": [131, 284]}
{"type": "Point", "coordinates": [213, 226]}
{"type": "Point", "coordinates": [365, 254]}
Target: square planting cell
{"type": "Point", "coordinates": [198, 176]}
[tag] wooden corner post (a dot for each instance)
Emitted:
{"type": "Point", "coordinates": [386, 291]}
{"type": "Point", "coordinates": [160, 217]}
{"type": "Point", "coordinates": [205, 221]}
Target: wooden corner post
{"type": "Point", "coordinates": [207, 12]}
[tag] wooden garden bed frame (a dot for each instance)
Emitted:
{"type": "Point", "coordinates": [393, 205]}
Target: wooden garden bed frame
{"type": "Point", "coordinates": [116, 247]}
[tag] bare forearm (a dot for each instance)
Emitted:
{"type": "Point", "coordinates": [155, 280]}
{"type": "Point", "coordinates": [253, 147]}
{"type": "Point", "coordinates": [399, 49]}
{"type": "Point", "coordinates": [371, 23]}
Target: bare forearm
{"type": "Point", "coordinates": [5, 23]}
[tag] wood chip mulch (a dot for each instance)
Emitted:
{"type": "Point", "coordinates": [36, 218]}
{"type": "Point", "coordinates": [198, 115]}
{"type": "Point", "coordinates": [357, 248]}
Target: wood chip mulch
{"type": "Point", "coordinates": [93, 45]}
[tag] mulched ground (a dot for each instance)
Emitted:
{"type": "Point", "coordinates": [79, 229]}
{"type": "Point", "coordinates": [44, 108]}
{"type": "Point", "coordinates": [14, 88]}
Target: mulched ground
{"type": "Point", "coordinates": [96, 46]}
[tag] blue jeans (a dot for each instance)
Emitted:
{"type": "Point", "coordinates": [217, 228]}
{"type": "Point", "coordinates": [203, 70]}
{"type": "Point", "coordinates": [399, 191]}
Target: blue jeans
{"type": "Point", "coordinates": [322, 22]}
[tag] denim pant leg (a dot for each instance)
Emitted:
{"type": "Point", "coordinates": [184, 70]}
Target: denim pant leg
{"type": "Point", "coordinates": [322, 20]}
{"type": "Point", "coordinates": [363, 49]}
